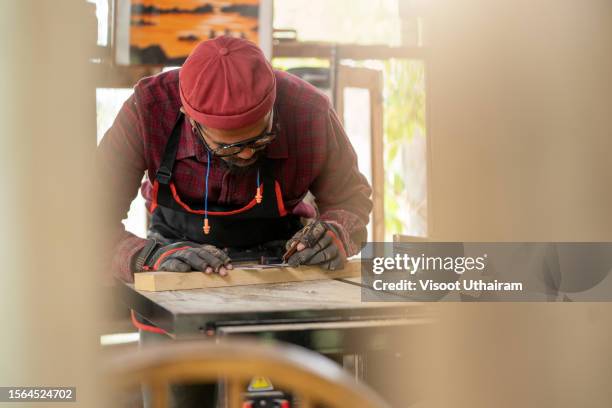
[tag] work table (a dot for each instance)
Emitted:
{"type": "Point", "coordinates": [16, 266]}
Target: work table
{"type": "Point", "coordinates": [326, 315]}
{"type": "Point", "coordinates": [188, 312]}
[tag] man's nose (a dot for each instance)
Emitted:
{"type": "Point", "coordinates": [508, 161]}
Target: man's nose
{"type": "Point", "coordinates": [246, 154]}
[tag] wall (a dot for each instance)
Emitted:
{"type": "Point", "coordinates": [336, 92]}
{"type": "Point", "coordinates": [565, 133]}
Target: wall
{"type": "Point", "coordinates": [519, 126]}
{"type": "Point", "coordinates": [520, 120]}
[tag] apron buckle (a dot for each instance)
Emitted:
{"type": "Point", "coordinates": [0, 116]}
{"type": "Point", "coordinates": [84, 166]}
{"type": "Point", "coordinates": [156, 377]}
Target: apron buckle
{"type": "Point", "coordinates": [163, 175]}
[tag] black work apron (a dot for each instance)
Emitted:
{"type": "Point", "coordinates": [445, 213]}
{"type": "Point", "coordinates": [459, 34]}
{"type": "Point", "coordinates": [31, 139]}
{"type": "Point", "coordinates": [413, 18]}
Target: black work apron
{"type": "Point", "coordinates": [254, 224]}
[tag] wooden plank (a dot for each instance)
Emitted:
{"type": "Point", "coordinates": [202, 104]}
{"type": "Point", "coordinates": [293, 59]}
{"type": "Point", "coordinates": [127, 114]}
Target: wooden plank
{"type": "Point", "coordinates": [315, 295]}
{"type": "Point", "coordinates": [162, 281]}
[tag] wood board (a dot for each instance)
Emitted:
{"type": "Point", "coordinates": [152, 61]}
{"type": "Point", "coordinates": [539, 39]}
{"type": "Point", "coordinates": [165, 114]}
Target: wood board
{"type": "Point", "coordinates": [161, 281]}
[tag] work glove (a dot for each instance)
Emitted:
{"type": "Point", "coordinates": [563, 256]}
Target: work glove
{"type": "Point", "coordinates": [183, 256]}
{"type": "Point", "coordinates": [317, 243]}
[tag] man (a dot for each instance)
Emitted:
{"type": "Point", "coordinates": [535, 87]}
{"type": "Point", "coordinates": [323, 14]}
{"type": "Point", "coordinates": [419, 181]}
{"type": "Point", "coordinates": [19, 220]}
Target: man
{"type": "Point", "coordinates": [230, 147]}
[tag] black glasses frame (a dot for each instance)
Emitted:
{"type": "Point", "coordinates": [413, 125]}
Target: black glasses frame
{"type": "Point", "coordinates": [249, 143]}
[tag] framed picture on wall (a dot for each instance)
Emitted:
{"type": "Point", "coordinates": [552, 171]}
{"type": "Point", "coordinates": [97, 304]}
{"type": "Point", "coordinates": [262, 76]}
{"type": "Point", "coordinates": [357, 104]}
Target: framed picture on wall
{"type": "Point", "coordinates": [163, 32]}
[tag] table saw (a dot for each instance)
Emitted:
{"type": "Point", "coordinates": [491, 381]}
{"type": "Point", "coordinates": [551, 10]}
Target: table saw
{"type": "Point", "coordinates": [325, 315]}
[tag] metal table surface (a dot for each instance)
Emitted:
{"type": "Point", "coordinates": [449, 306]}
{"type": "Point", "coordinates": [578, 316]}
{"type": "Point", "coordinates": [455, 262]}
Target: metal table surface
{"type": "Point", "coordinates": [324, 315]}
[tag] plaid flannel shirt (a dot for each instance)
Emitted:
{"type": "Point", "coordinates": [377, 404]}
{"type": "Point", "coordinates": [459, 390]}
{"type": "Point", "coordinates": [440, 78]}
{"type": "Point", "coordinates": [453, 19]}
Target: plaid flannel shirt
{"type": "Point", "coordinates": [312, 153]}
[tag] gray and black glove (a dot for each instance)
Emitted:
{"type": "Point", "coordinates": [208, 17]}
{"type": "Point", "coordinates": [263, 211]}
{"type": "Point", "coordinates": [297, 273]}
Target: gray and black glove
{"type": "Point", "coordinates": [317, 243]}
{"type": "Point", "coordinates": [182, 256]}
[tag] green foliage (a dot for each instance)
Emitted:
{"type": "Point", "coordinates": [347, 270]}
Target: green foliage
{"type": "Point", "coordinates": [404, 107]}
{"type": "Point", "coordinates": [404, 100]}
{"type": "Point", "coordinates": [404, 120]}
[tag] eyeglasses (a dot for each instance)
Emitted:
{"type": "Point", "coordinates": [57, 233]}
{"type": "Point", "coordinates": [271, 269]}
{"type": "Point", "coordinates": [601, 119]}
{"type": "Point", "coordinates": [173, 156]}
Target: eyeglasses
{"type": "Point", "coordinates": [255, 143]}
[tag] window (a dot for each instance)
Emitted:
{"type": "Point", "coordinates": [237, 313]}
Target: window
{"type": "Point", "coordinates": [108, 104]}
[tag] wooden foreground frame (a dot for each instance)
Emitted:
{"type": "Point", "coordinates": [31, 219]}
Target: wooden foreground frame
{"type": "Point", "coordinates": [312, 378]}
{"type": "Point", "coordinates": [160, 281]}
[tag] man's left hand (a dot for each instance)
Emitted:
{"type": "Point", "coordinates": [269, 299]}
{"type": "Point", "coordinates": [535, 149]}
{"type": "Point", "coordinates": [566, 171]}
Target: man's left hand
{"type": "Point", "coordinates": [318, 243]}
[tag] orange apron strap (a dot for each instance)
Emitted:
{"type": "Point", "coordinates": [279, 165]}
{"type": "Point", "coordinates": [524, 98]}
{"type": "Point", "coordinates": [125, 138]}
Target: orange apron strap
{"type": "Point", "coordinates": [279, 199]}
{"type": "Point", "coordinates": [146, 327]}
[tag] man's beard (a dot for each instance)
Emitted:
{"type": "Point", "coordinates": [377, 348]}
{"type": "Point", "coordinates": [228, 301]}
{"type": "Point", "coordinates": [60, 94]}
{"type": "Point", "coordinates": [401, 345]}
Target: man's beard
{"type": "Point", "coordinates": [240, 166]}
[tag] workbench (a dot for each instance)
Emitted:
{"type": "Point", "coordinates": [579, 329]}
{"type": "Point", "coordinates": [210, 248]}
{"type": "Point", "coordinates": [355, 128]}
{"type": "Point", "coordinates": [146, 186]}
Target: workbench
{"type": "Point", "coordinates": [310, 306]}
{"type": "Point", "coordinates": [326, 316]}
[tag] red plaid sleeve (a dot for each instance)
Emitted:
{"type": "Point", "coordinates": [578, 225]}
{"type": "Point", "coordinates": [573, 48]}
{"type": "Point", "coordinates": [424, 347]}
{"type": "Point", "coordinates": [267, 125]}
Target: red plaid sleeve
{"type": "Point", "coordinates": [121, 165]}
{"type": "Point", "coordinates": [342, 192]}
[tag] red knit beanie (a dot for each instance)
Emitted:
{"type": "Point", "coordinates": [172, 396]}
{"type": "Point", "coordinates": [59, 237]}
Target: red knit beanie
{"type": "Point", "coordinates": [227, 83]}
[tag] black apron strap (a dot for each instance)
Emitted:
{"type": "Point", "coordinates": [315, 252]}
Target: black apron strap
{"type": "Point", "coordinates": [164, 173]}
{"type": "Point", "coordinates": [267, 180]}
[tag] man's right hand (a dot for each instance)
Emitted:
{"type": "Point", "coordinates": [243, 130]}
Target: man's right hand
{"type": "Point", "coordinates": [183, 256]}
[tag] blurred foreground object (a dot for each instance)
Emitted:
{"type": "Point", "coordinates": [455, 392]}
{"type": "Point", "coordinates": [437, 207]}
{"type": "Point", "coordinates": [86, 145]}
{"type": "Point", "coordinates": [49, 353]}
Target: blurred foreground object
{"type": "Point", "coordinates": [307, 375]}
{"type": "Point", "coordinates": [520, 151]}
{"type": "Point", "coordinates": [48, 287]}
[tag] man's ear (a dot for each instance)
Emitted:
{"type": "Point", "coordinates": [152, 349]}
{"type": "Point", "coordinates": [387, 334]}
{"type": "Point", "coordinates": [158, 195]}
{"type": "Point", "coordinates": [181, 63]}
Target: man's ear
{"type": "Point", "coordinates": [188, 118]}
